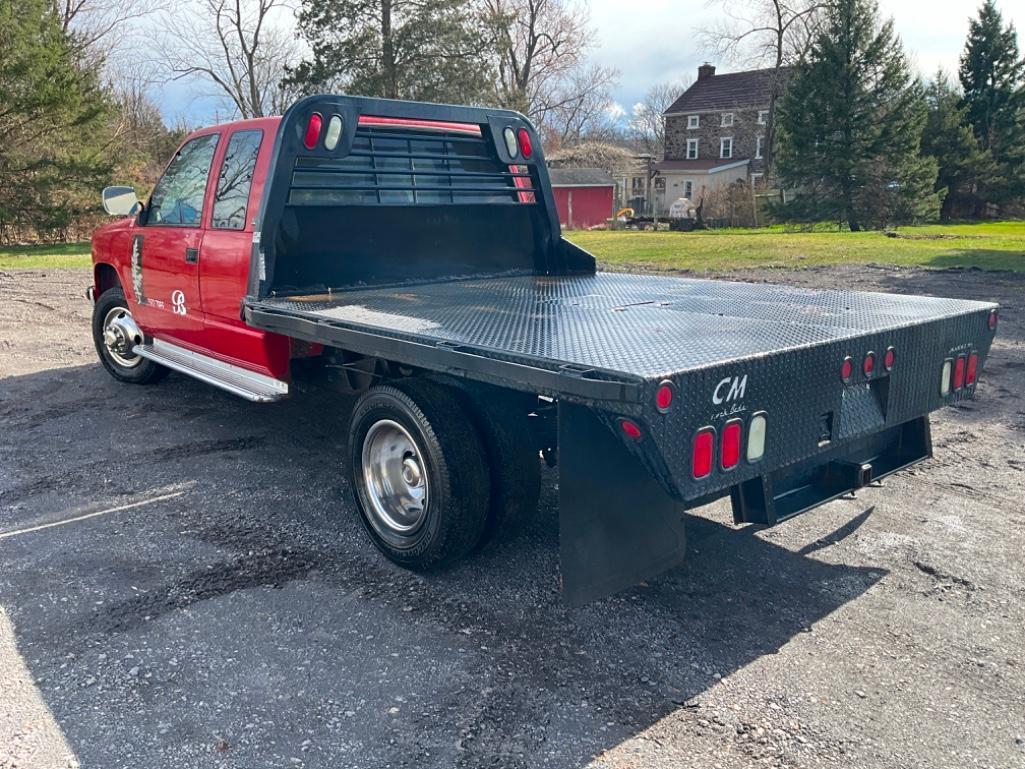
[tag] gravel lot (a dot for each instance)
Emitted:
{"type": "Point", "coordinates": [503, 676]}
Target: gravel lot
{"type": "Point", "coordinates": [215, 604]}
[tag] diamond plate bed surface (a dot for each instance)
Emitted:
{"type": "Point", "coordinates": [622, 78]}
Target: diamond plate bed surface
{"type": "Point", "coordinates": [644, 325]}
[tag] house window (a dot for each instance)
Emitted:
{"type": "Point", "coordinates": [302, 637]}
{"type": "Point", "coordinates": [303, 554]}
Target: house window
{"type": "Point", "coordinates": [688, 189]}
{"type": "Point", "coordinates": [758, 146]}
{"type": "Point", "coordinates": [763, 116]}
{"type": "Point", "coordinates": [756, 180]}
{"type": "Point", "coordinates": [727, 119]}
{"type": "Point", "coordinates": [693, 121]}
{"type": "Point", "coordinates": [692, 149]}
{"type": "Point", "coordinates": [660, 182]}
{"type": "Point", "coordinates": [637, 184]}
{"type": "Point", "coordinates": [726, 147]}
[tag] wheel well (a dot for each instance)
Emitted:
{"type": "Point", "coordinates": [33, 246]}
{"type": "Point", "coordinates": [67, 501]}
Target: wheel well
{"type": "Point", "coordinates": [105, 278]}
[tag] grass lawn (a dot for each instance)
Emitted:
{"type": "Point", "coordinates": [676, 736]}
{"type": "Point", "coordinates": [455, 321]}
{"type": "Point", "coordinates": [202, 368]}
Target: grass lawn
{"type": "Point", "coordinates": [56, 256]}
{"type": "Point", "coordinates": [989, 246]}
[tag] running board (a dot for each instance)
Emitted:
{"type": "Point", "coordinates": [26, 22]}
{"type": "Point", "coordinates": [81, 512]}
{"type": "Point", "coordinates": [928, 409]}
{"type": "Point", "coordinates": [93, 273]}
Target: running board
{"type": "Point", "coordinates": [235, 379]}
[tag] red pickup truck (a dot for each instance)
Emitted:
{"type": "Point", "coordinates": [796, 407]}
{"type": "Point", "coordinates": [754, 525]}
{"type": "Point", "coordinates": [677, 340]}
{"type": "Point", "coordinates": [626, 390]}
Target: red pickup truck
{"type": "Point", "coordinates": [411, 253]}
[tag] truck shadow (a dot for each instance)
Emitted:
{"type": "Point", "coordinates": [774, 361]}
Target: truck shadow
{"type": "Point", "coordinates": [260, 566]}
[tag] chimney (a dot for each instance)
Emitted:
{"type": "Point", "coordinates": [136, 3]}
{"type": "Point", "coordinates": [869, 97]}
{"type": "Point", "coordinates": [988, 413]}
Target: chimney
{"type": "Point", "coordinates": [706, 70]}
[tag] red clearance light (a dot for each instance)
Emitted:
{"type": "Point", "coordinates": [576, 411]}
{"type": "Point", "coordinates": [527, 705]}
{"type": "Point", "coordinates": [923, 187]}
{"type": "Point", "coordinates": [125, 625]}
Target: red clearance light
{"type": "Point", "coordinates": [994, 317]}
{"type": "Point", "coordinates": [973, 369]}
{"type": "Point", "coordinates": [847, 369]}
{"type": "Point", "coordinates": [525, 145]}
{"type": "Point", "coordinates": [730, 452]}
{"type": "Point", "coordinates": [889, 358]}
{"type": "Point", "coordinates": [630, 429]}
{"type": "Point", "coordinates": [869, 364]}
{"type": "Point", "coordinates": [704, 450]}
{"type": "Point", "coordinates": [959, 370]}
{"type": "Point", "coordinates": [664, 397]}
{"type": "Point", "coordinates": [313, 131]}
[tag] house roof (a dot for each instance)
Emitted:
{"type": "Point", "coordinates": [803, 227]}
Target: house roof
{"type": "Point", "coordinates": [580, 177]}
{"type": "Point", "coordinates": [733, 90]}
{"type": "Point", "coordinates": [700, 166]}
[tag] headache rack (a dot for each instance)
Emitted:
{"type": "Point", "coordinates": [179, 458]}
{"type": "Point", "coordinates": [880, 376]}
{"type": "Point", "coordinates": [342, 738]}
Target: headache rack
{"type": "Point", "coordinates": [471, 184]}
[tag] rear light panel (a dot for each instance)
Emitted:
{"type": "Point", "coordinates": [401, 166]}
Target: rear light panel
{"type": "Point", "coordinates": [946, 374]}
{"type": "Point", "coordinates": [756, 437]}
{"type": "Point", "coordinates": [868, 365]}
{"type": "Point", "coordinates": [847, 369]}
{"type": "Point", "coordinates": [994, 318]}
{"type": "Point", "coordinates": [889, 358]}
{"type": "Point", "coordinates": [664, 397]}
{"type": "Point", "coordinates": [957, 381]}
{"type": "Point", "coordinates": [312, 135]}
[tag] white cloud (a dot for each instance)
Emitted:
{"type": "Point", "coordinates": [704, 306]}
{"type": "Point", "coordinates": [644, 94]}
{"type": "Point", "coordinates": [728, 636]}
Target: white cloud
{"type": "Point", "coordinates": [615, 110]}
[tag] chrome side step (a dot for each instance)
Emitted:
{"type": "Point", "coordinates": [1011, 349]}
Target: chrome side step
{"type": "Point", "coordinates": [235, 379]}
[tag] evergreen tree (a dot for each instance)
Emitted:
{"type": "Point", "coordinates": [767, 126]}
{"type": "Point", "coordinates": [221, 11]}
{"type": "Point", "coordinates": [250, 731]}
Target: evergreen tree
{"type": "Point", "coordinates": [429, 50]}
{"type": "Point", "coordinates": [993, 80]}
{"type": "Point", "coordinates": [851, 126]}
{"type": "Point", "coordinates": [54, 125]}
{"type": "Point", "coordinates": [947, 136]}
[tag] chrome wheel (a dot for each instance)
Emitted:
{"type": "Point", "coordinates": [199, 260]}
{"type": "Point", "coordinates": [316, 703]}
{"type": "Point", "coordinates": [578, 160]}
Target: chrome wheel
{"type": "Point", "coordinates": [120, 335]}
{"type": "Point", "coordinates": [395, 478]}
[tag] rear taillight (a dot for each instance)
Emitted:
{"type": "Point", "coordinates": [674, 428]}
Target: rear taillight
{"type": "Point", "coordinates": [868, 366]}
{"type": "Point", "coordinates": [510, 142]}
{"type": "Point", "coordinates": [847, 369]}
{"type": "Point", "coordinates": [730, 451]}
{"type": "Point", "coordinates": [313, 131]}
{"type": "Point", "coordinates": [630, 429]}
{"type": "Point", "coordinates": [756, 438]}
{"type": "Point", "coordinates": [889, 358]}
{"type": "Point", "coordinates": [959, 371]}
{"type": "Point", "coordinates": [994, 318]}
{"type": "Point", "coordinates": [973, 369]}
{"type": "Point", "coordinates": [525, 144]}
{"type": "Point", "coordinates": [664, 397]}
{"type": "Point", "coordinates": [703, 453]}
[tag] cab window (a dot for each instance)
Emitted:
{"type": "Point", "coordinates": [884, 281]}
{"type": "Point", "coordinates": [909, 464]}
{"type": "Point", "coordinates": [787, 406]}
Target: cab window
{"type": "Point", "coordinates": [177, 199]}
{"type": "Point", "coordinates": [236, 177]}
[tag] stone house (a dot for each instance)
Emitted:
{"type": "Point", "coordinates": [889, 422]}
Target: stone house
{"type": "Point", "coordinates": [715, 134]}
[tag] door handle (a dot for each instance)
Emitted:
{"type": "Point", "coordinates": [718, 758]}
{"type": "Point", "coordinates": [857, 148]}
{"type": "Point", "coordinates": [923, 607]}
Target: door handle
{"type": "Point", "coordinates": [192, 255]}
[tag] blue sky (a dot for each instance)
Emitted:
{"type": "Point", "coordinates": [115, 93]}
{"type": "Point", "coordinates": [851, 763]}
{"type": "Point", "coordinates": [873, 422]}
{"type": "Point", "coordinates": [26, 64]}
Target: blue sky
{"type": "Point", "coordinates": [650, 41]}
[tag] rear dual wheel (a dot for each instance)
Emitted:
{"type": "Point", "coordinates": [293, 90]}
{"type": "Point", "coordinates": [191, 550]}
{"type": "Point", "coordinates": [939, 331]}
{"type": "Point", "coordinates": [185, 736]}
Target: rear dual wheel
{"type": "Point", "coordinates": [434, 475]}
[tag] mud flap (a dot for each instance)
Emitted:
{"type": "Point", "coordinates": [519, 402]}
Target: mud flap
{"type": "Point", "coordinates": [617, 525]}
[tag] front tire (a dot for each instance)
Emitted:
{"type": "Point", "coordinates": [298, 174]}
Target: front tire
{"type": "Point", "coordinates": [114, 334]}
{"type": "Point", "coordinates": [418, 473]}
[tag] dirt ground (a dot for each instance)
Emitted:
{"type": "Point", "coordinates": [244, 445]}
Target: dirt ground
{"type": "Point", "coordinates": [183, 583]}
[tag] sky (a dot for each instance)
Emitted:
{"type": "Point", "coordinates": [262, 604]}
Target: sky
{"type": "Point", "coordinates": [650, 41]}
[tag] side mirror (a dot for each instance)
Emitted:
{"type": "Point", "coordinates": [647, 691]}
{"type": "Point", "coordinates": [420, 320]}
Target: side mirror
{"type": "Point", "coordinates": [121, 201]}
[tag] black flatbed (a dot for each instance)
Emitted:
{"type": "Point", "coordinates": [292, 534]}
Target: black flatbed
{"type": "Point", "coordinates": [603, 333]}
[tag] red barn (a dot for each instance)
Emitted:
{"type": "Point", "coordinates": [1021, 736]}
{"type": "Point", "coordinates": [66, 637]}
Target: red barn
{"type": "Point", "coordinates": [583, 196]}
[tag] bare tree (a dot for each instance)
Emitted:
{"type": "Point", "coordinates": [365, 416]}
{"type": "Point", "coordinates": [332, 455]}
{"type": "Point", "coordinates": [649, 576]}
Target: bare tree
{"type": "Point", "coordinates": [765, 33]}
{"type": "Point", "coordinates": [647, 127]}
{"type": "Point", "coordinates": [241, 49]}
{"type": "Point", "coordinates": [542, 67]}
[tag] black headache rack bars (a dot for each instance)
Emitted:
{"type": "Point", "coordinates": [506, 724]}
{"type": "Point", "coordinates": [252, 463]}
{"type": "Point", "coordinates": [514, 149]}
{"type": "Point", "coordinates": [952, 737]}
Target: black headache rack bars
{"type": "Point", "coordinates": [472, 183]}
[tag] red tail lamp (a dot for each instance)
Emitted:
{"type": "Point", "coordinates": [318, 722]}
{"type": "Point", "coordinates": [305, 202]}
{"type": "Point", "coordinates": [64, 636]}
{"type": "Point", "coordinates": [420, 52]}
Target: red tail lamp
{"type": "Point", "coordinates": [994, 318]}
{"type": "Point", "coordinates": [959, 372]}
{"type": "Point", "coordinates": [847, 369]}
{"type": "Point", "coordinates": [972, 372]}
{"type": "Point", "coordinates": [664, 397]}
{"type": "Point", "coordinates": [869, 364]}
{"type": "Point", "coordinates": [730, 451]}
{"type": "Point", "coordinates": [526, 147]}
{"type": "Point", "coordinates": [630, 429]}
{"type": "Point", "coordinates": [704, 450]}
{"type": "Point", "coordinates": [313, 131]}
{"type": "Point", "coordinates": [889, 358]}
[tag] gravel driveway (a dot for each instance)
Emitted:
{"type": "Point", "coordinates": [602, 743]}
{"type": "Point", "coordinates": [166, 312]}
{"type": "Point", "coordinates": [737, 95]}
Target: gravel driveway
{"type": "Point", "coordinates": [183, 583]}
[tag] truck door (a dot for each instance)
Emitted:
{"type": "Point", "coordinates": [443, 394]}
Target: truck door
{"type": "Point", "coordinates": [227, 245]}
{"type": "Point", "coordinates": [167, 242]}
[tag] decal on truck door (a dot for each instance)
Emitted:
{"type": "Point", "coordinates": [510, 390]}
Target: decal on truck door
{"type": "Point", "coordinates": [140, 297]}
{"type": "Point", "coordinates": [178, 303]}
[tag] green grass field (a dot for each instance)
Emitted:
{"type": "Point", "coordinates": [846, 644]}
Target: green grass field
{"type": "Point", "coordinates": [989, 246]}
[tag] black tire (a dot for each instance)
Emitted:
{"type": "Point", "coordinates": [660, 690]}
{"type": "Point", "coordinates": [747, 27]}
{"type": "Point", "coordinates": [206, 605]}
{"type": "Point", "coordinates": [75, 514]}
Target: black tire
{"type": "Point", "coordinates": [451, 457]}
{"type": "Point", "coordinates": [143, 371]}
{"type": "Point", "coordinates": [514, 461]}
